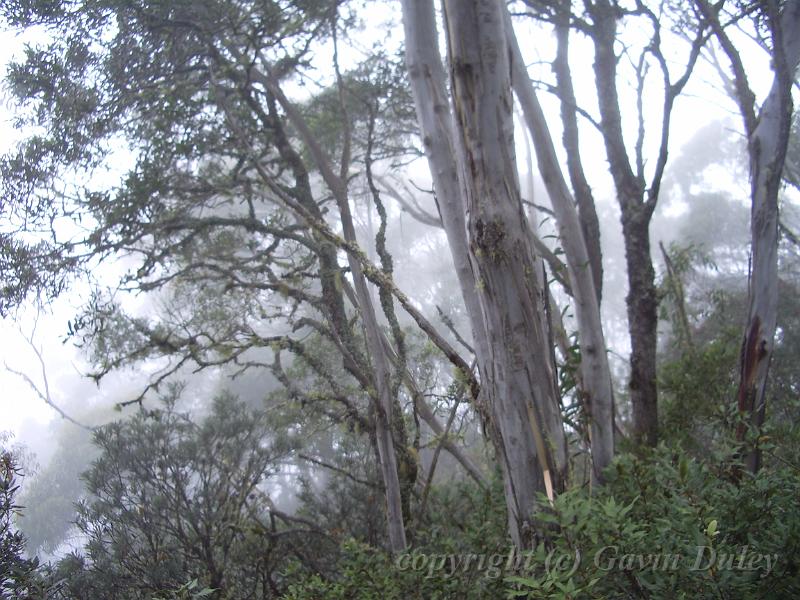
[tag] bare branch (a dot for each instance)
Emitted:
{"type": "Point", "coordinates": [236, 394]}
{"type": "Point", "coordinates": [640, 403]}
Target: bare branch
{"type": "Point", "coordinates": [43, 394]}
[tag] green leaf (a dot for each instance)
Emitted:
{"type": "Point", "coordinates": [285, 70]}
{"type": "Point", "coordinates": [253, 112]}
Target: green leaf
{"type": "Point", "coordinates": [711, 530]}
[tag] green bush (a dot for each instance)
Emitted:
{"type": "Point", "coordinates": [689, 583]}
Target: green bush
{"type": "Point", "coordinates": [668, 526]}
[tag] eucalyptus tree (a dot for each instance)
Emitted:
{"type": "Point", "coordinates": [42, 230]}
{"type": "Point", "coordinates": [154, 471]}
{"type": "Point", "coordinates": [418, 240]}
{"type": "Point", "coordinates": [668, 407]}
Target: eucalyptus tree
{"type": "Point", "coordinates": [471, 158]}
{"type": "Point", "coordinates": [767, 129]}
{"type": "Point", "coordinates": [637, 186]}
{"type": "Point", "coordinates": [162, 132]}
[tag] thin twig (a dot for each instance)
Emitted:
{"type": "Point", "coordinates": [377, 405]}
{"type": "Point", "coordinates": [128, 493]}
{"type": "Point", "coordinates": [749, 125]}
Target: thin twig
{"type": "Point", "coordinates": [43, 395]}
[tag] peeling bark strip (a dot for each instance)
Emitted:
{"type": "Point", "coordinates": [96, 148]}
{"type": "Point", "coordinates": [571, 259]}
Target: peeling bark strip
{"type": "Point", "coordinates": [517, 374]}
{"type": "Point", "coordinates": [753, 351]}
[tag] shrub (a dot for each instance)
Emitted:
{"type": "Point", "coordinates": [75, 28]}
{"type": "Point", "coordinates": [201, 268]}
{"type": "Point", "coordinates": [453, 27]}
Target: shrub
{"type": "Point", "coordinates": [668, 526]}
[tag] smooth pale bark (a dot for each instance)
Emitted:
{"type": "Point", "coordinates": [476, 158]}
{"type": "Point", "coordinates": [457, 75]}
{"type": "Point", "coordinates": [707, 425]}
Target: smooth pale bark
{"type": "Point", "coordinates": [767, 147]}
{"type": "Point", "coordinates": [595, 371]}
{"type": "Point", "coordinates": [428, 77]}
{"type": "Point", "coordinates": [587, 212]}
{"type": "Point", "coordinates": [768, 135]}
{"type": "Point", "coordinates": [517, 376]}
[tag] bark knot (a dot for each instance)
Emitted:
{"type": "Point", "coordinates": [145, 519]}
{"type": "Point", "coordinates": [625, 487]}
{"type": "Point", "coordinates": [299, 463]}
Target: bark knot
{"type": "Point", "coordinates": [489, 236]}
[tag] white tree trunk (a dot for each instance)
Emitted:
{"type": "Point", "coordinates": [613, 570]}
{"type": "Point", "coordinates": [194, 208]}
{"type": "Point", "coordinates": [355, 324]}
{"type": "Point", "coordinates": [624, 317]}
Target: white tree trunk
{"type": "Point", "coordinates": [767, 146]}
{"type": "Point", "coordinates": [595, 371]}
{"type": "Point", "coordinates": [517, 374]}
{"type": "Point", "coordinates": [428, 78]}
